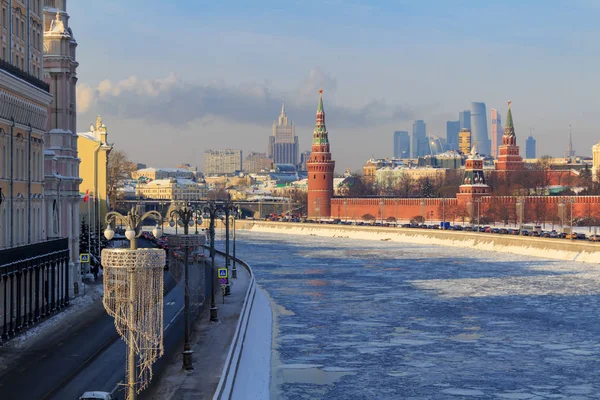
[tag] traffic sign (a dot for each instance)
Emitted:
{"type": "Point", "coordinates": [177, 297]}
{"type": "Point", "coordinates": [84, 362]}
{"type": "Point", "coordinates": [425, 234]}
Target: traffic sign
{"type": "Point", "coordinates": [222, 273]}
{"type": "Point", "coordinates": [84, 257]}
{"type": "Point", "coordinates": [223, 281]}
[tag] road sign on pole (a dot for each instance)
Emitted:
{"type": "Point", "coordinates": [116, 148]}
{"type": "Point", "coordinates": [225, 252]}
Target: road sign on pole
{"type": "Point", "coordinates": [84, 257]}
{"type": "Point", "coordinates": [222, 273]}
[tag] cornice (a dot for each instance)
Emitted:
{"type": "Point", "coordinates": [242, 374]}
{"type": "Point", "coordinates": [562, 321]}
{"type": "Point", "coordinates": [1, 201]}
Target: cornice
{"type": "Point", "coordinates": [20, 87]}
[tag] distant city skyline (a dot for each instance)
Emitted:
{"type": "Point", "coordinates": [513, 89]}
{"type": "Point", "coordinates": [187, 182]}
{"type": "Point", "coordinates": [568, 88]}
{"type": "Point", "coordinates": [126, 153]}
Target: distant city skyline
{"type": "Point", "coordinates": [221, 91]}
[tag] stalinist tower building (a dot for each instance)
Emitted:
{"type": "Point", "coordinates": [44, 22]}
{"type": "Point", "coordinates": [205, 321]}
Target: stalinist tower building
{"type": "Point", "coordinates": [283, 143]}
{"type": "Point", "coordinates": [320, 168]}
{"type": "Point", "coordinates": [61, 188]}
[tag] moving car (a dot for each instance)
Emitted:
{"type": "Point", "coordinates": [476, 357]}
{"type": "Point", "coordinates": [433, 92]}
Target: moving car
{"type": "Point", "coordinates": [97, 396]}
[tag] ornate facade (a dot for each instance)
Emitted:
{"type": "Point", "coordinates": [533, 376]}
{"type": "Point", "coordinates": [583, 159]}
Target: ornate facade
{"type": "Point", "coordinates": [320, 168]}
{"type": "Point", "coordinates": [60, 157]}
{"type": "Point", "coordinates": [24, 101]}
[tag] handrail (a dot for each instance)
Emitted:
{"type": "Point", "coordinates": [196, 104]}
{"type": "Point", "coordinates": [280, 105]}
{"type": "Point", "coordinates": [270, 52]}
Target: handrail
{"type": "Point", "coordinates": [230, 369]}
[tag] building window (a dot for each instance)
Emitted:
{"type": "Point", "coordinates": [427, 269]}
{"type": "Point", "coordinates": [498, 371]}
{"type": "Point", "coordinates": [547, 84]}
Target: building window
{"type": "Point", "coordinates": [16, 27]}
{"type": "Point", "coordinates": [23, 29]}
{"type": "Point", "coordinates": [4, 21]}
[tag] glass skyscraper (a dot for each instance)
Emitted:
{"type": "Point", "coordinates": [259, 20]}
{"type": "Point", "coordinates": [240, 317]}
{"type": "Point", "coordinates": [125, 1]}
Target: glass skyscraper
{"type": "Point", "coordinates": [479, 131]}
{"type": "Point", "coordinates": [401, 144]}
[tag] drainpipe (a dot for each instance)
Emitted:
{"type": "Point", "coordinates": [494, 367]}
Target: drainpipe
{"type": "Point", "coordinates": [10, 46]}
{"type": "Point", "coordinates": [12, 181]}
{"type": "Point", "coordinates": [96, 196]}
{"type": "Point", "coordinates": [29, 187]}
{"type": "Point", "coordinates": [28, 37]}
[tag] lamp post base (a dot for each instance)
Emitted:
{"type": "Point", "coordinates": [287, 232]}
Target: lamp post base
{"type": "Point", "coordinates": [228, 289]}
{"type": "Point", "coordinates": [187, 360]}
{"type": "Point", "coordinates": [213, 314]}
{"type": "Point", "coordinates": [234, 273]}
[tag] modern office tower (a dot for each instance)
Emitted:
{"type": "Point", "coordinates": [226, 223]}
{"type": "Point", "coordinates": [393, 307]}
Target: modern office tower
{"type": "Point", "coordinates": [401, 144]}
{"type": "Point", "coordinates": [530, 147]}
{"type": "Point", "coordinates": [420, 147]}
{"type": "Point", "coordinates": [256, 162]}
{"type": "Point", "coordinates": [479, 132]}
{"type": "Point", "coordinates": [222, 162]}
{"type": "Point", "coordinates": [283, 143]}
{"type": "Point", "coordinates": [304, 157]}
{"type": "Point", "coordinates": [464, 118]}
{"type": "Point", "coordinates": [497, 132]}
{"type": "Point", "coordinates": [464, 141]}
{"type": "Point", "coordinates": [452, 129]}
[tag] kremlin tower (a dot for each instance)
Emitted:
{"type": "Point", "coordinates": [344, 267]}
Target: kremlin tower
{"type": "Point", "coordinates": [473, 186]}
{"type": "Point", "coordinates": [508, 153]}
{"type": "Point", "coordinates": [320, 168]}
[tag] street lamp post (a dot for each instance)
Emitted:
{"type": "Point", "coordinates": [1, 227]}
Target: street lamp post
{"type": "Point", "coordinates": [133, 231]}
{"type": "Point", "coordinates": [478, 201]}
{"type": "Point", "coordinates": [444, 213]}
{"type": "Point", "coordinates": [227, 207]}
{"type": "Point", "coordinates": [381, 204]}
{"type": "Point", "coordinates": [520, 209]}
{"type": "Point", "coordinates": [571, 200]}
{"type": "Point", "coordinates": [234, 268]}
{"type": "Point", "coordinates": [211, 210]}
{"type": "Point", "coordinates": [187, 217]}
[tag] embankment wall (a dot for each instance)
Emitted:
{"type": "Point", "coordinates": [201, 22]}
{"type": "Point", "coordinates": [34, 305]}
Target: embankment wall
{"type": "Point", "coordinates": [559, 249]}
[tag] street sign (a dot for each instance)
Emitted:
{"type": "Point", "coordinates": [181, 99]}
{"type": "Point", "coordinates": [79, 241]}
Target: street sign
{"type": "Point", "coordinates": [222, 272]}
{"type": "Point", "coordinates": [223, 281]}
{"type": "Point", "coordinates": [84, 257]}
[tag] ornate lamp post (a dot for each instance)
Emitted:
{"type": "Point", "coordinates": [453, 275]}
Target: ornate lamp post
{"type": "Point", "coordinates": [571, 200]}
{"type": "Point", "coordinates": [228, 208]}
{"type": "Point", "coordinates": [210, 211]}
{"type": "Point", "coordinates": [137, 263]}
{"type": "Point", "coordinates": [186, 217]}
{"type": "Point", "coordinates": [235, 216]}
{"type": "Point", "coordinates": [520, 209]}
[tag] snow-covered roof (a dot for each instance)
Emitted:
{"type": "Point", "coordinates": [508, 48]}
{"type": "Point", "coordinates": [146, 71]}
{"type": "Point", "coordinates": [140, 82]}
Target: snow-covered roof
{"type": "Point", "coordinates": [152, 169]}
{"type": "Point", "coordinates": [88, 135]}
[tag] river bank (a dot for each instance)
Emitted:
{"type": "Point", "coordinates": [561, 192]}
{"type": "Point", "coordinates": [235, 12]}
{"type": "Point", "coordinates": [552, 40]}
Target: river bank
{"type": "Point", "coordinates": [558, 249]}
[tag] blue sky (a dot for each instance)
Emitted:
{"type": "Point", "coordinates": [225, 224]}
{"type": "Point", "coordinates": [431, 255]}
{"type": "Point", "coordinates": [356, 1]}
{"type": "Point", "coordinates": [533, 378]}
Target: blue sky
{"type": "Point", "coordinates": [213, 74]}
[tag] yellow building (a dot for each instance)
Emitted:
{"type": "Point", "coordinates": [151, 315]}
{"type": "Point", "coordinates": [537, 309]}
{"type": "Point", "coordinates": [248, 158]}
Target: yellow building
{"type": "Point", "coordinates": [596, 162]}
{"type": "Point", "coordinates": [93, 152]}
{"type": "Point", "coordinates": [464, 141]}
{"type": "Point", "coordinates": [172, 189]}
{"type": "Point", "coordinates": [24, 102]}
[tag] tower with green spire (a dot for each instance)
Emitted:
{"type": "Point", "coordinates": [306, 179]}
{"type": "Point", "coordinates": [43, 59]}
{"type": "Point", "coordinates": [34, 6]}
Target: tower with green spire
{"type": "Point", "coordinates": [509, 158]}
{"type": "Point", "coordinates": [320, 169]}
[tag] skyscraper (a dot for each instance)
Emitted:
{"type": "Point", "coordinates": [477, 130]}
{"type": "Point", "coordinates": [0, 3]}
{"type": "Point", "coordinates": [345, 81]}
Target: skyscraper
{"type": "Point", "coordinates": [570, 150]}
{"type": "Point", "coordinates": [497, 132]}
{"type": "Point", "coordinates": [464, 141]}
{"type": "Point", "coordinates": [283, 143]}
{"type": "Point", "coordinates": [464, 118]}
{"type": "Point", "coordinates": [401, 144]}
{"type": "Point", "coordinates": [452, 128]}
{"type": "Point", "coordinates": [479, 132]}
{"type": "Point", "coordinates": [530, 147]}
{"type": "Point", "coordinates": [420, 147]}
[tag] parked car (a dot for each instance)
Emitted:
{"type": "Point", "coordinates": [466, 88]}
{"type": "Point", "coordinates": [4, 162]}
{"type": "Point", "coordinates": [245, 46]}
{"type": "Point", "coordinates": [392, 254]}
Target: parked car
{"type": "Point", "coordinates": [594, 238]}
{"type": "Point", "coordinates": [562, 235]}
{"type": "Point", "coordinates": [495, 230]}
{"type": "Point", "coordinates": [503, 231]}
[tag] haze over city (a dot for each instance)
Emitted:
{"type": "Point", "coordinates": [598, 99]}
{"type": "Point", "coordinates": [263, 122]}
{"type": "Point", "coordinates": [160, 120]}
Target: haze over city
{"type": "Point", "coordinates": [213, 75]}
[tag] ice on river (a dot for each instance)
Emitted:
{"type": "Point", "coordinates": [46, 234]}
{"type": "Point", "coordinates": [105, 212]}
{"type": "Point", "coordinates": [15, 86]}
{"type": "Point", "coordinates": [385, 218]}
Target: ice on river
{"type": "Point", "coordinates": [363, 320]}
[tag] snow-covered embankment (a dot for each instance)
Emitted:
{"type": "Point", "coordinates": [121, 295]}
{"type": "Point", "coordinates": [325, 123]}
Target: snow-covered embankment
{"type": "Point", "coordinates": [559, 249]}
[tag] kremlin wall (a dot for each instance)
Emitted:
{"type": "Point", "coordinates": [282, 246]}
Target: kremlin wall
{"type": "Point", "coordinates": [474, 198]}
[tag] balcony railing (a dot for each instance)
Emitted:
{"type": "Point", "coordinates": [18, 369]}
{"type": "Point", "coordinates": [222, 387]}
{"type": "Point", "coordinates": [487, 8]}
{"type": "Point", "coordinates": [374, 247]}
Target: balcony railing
{"type": "Point", "coordinates": [34, 284]}
{"type": "Point", "coordinates": [19, 73]}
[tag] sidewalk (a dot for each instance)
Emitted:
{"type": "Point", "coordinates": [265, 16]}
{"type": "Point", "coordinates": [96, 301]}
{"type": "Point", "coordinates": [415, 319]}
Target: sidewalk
{"type": "Point", "coordinates": [210, 343]}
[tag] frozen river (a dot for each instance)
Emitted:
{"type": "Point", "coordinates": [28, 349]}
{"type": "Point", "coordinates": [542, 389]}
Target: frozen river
{"type": "Point", "coordinates": [382, 320]}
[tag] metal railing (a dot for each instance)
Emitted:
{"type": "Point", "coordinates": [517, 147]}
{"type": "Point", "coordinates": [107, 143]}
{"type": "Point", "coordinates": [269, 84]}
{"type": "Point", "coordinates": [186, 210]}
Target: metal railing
{"type": "Point", "coordinates": [34, 284]}
{"type": "Point", "coordinates": [19, 73]}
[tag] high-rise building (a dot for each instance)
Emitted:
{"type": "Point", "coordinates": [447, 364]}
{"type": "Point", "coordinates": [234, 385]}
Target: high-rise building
{"type": "Point", "coordinates": [256, 162]}
{"type": "Point", "coordinates": [570, 150]}
{"type": "Point", "coordinates": [509, 158]}
{"type": "Point", "coordinates": [283, 143]}
{"type": "Point", "coordinates": [62, 179]}
{"type": "Point", "coordinates": [452, 129]}
{"type": "Point", "coordinates": [497, 132]}
{"type": "Point", "coordinates": [436, 144]}
{"type": "Point", "coordinates": [222, 162]}
{"type": "Point", "coordinates": [401, 144]}
{"type": "Point", "coordinates": [420, 146]}
{"type": "Point", "coordinates": [530, 147]}
{"type": "Point", "coordinates": [596, 162]}
{"type": "Point", "coordinates": [464, 118]}
{"type": "Point", "coordinates": [304, 157]}
{"type": "Point", "coordinates": [464, 141]}
{"type": "Point", "coordinates": [320, 168]}
{"type": "Point", "coordinates": [479, 131]}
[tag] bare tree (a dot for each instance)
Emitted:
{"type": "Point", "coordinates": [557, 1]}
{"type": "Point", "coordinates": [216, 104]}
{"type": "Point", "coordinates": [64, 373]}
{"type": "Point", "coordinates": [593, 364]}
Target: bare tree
{"type": "Point", "coordinates": [119, 168]}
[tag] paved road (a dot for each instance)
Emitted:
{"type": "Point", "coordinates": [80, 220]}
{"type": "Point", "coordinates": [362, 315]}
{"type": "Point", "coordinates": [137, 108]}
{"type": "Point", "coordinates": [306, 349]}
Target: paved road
{"type": "Point", "coordinates": [47, 366]}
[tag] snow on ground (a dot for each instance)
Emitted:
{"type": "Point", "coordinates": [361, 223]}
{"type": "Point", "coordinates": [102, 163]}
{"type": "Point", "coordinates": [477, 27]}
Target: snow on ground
{"type": "Point", "coordinates": [369, 319]}
{"type": "Point", "coordinates": [93, 293]}
{"type": "Point", "coordinates": [253, 377]}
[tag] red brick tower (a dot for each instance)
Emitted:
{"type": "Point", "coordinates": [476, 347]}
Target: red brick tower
{"type": "Point", "coordinates": [508, 154]}
{"type": "Point", "coordinates": [320, 168]}
{"type": "Point", "coordinates": [473, 186]}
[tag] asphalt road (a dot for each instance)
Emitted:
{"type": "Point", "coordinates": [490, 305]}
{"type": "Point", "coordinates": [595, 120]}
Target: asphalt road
{"type": "Point", "coordinates": [47, 368]}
